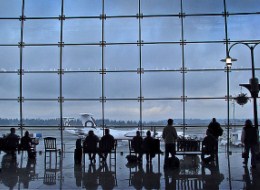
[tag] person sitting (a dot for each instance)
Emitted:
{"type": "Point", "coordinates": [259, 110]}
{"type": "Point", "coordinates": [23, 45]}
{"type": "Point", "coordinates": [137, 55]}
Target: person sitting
{"type": "Point", "coordinates": [136, 143]}
{"type": "Point", "coordinates": [27, 144]}
{"type": "Point", "coordinates": [148, 147]}
{"type": "Point", "coordinates": [11, 142]}
{"type": "Point", "coordinates": [106, 144]}
{"type": "Point", "coordinates": [90, 145]}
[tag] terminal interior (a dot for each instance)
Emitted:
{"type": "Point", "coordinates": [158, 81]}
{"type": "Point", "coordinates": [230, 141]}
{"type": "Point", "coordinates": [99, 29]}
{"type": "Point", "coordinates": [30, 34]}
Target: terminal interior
{"type": "Point", "coordinates": [129, 65]}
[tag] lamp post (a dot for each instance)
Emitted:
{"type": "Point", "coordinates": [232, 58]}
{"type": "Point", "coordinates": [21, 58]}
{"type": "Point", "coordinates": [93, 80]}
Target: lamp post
{"type": "Point", "coordinates": [253, 85]}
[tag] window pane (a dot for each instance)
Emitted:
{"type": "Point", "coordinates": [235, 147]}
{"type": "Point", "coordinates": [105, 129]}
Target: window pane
{"type": "Point", "coordinates": [245, 25]}
{"type": "Point", "coordinates": [75, 108]}
{"type": "Point", "coordinates": [10, 58]}
{"type": "Point", "coordinates": [41, 85]}
{"type": "Point", "coordinates": [116, 110]}
{"type": "Point", "coordinates": [155, 7]}
{"type": "Point", "coordinates": [82, 7]}
{"type": "Point", "coordinates": [82, 31]}
{"type": "Point", "coordinates": [162, 85]}
{"type": "Point", "coordinates": [119, 7]}
{"type": "Point", "coordinates": [10, 31]}
{"type": "Point", "coordinates": [161, 29]}
{"type": "Point", "coordinates": [160, 111]}
{"type": "Point", "coordinates": [43, 8]}
{"type": "Point", "coordinates": [41, 58]}
{"type": "Point", "coordinates": [81, 58]}
{"type": "Point", "coordinates": [205, 56]}
{"type": "Point", "coordinates": [41, 113]}
{"type": "Point", "coordinates": [41, 31]}
{"type": "Point", "coordinates": [237, 78]}
{"type": "Point", "coordinates": [206, 84]}
{"type": "Point", "coordinates": [81, 85]}
{"type": "Point", "coordinates": [163, 57]}
{"type": "Point", "coordinates": [9, 113]}
{"type": "Point", "coordinates": [11, 8]}
{"type": "Point", "coordinates": [122, 85]}
{"type": "Point", "coordinates": [242, 6]}
{"type": "Point", "coordinates": [204, 28]}
{"type": "Point", "coordinates": [9, 85]}
{"type": "Point", "coordinates": [202, 6]}
{"type": "Point", "coordinates": [121, 30]}
{"type": "Point", "coordinates": [117, 57]}
{"type": "Point", "coordinates": [206, 109]}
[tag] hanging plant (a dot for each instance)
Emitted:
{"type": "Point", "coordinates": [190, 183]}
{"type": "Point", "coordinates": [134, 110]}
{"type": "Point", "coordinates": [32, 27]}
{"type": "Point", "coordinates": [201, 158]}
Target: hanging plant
{"type": "Point", "coordinates": [242, 99]}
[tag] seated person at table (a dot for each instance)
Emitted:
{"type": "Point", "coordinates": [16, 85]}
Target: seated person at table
{"type": "Point", "coordinates": [11, 142]}
{"type": "Point", "coordinates": [148, 147]}
{"type": "Point", "coordinates": [106, 144]}
{"type": "Point", "coordinates": [136, 143]}
{"type": "Point", "coordinates": [90, 145]}
{"type": "Point", "coordinates": [208, 148]}
{"type": "Point", "coordinates": [27, 144]}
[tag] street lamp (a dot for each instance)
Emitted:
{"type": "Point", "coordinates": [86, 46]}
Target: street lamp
{"type": "Point", "coordinates": [253, 85]}
{"type": "Point", "coordinates": [228, 61]}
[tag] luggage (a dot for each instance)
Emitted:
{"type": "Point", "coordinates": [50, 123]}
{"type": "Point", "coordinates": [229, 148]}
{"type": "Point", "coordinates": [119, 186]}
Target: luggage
{"type": "Point", "coordinates": [172, 162]}
{"type": "Point", "coordinates": [131, 158]}
{"type": "Point", "coordinates": [78, 156]}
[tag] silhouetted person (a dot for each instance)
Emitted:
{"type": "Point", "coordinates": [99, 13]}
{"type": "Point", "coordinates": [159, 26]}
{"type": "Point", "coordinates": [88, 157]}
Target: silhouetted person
{"type": "Point", "coordinates": [249, 139]}
{"type": "Point", "coordinates": [148, 147]}
{"type": "Point", "coordinates": [216, 130]}
{"type": "Point", "coordinates": [11, 142]}
{"type": "Point", "coordinates": [169, 135]}
{"type": "Point", "coordinates": [137, 142]}
{"type": "Point", "coordinates": [106, 144]}
{"type": "Point", "coordinates": [90, 145]}
{"type": "Point", "coordinates": [26, 144]}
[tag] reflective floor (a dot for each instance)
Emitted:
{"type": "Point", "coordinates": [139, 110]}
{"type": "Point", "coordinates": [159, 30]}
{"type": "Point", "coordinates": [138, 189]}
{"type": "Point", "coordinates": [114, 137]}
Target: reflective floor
{"type": "Point", "coordinates": [61, 173]}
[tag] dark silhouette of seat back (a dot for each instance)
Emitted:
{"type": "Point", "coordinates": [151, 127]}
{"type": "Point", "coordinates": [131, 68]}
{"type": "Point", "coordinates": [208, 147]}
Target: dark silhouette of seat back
{"type": "Point", "coordinates": [50, 144]}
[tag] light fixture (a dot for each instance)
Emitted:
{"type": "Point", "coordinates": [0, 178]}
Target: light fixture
{"type": "Point", "coordinates": [228, 61]}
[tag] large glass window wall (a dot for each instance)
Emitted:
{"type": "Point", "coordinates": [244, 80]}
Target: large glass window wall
{"type": "Point", "coordinates": [131, 63]}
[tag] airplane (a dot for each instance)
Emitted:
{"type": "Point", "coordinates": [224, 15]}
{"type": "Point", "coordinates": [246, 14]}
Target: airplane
{"type": "Point", "coordinates": [89, 123]}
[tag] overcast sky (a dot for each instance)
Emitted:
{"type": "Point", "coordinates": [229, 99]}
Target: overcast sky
{"type": "Point", "coordinates": [125, 57]}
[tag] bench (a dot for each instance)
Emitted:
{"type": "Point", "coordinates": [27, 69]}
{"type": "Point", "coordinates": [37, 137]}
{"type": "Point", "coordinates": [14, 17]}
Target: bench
{"type": "Point", "coordinates": [112, 153]}
{"type": "Point", "coordinates": [188, 147]}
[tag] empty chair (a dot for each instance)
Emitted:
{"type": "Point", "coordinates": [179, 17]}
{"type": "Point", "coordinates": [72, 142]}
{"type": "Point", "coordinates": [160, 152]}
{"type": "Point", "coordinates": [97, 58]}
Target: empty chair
{"type": "Point", "coordinates": [50, 146]}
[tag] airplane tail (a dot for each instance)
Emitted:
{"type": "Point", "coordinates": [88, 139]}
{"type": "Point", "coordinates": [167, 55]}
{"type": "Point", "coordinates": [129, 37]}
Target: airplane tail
{"type": "Point", "coordinates": [88, 120]}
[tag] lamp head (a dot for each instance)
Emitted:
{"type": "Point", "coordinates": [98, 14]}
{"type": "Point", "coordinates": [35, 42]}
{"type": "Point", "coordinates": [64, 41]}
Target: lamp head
{"type": "Point", "coordinates": [228, 61]}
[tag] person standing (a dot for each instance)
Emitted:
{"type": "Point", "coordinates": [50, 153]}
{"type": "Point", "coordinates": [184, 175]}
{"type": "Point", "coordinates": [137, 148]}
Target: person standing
{"type": "Point", "coordinates": [249, 139]}
{"type": "Point", "coordinates": [215, 130]}
{"type": "Point", "coordinates": [169, 135]}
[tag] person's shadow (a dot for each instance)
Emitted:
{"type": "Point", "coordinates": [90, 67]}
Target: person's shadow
{"type": "Point", "coordinates": [151, 180]}
{"type": "Point", "coordinates": [90, 177]}
{"type": "Point", "coordinates": [107, 178]}
{"type": "Point", "coordinates": [251, 182]}
{"type": "Point", "coordinates": [27, 174]}
{"type": "Point", "coordinates": [136, 176]}
{"type": "Point", "coordinates": [214, 178]}
{"type": "Point", "coordinates": [9, 172]}
{"type": "Point", "coordinates": [171, 176]}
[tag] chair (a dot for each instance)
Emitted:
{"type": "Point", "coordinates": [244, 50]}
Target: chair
{"type": "Point", "coordinates": [50, 146]}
